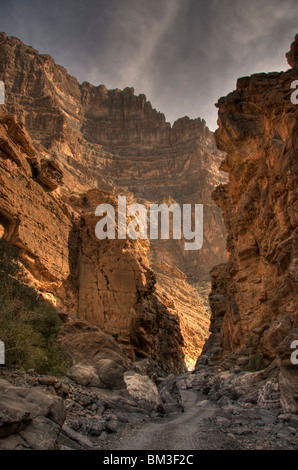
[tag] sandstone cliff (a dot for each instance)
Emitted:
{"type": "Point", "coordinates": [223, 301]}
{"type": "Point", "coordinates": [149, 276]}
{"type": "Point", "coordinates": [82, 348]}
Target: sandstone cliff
{"type": "Point", "coordinates": [254, 297]}
{"type": "Point", "coordinates": [103, 137]}
{"type": "Point", "coordinates": [108, 284]}
{"type": "Point", "coordinates": [113, 142]}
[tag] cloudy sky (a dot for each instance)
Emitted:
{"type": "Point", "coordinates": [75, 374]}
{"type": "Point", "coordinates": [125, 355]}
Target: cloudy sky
{"type": "Point", "coordinates": [182, 54]}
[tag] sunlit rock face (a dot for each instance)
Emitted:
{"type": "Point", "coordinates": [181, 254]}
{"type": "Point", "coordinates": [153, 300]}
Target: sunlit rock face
{"type": "Point", "coordinates": [107, 284]}
{"type": "Point", "coordinates": [89, 138]}
{"type": "Point", "coordinates": [32, 216]}
{"type": "Point", "coordinates": [254, 298]}
{"type": "Point", "coordinates": [104, 137]}
{"type": "Point", "coordinates": [85, 138]}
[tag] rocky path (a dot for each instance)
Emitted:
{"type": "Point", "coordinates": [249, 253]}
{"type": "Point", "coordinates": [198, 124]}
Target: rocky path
{"type": "Point", "coordinates": [176, 432]}
{"type": "Point", "coordinates": [225, 410]}
{"type": "Point", "coordinates": [205, 426]}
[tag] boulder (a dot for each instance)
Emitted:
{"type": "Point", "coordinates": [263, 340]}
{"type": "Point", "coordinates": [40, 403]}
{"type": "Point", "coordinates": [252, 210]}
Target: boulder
{"type": "Point", "coordinates": [84, 375]}
{"type": "Point", "coordinates": [111, 374]}
{"type": "Point", "coordinates": [143, 391]}
{"type": "Point", "coordinates": [170, 394]}
{"type": "Point", "coordinates": [29, 418]}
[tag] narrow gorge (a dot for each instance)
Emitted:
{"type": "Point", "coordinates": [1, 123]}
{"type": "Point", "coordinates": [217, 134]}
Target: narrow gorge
{"type": "Point", "coordinates": [142, 338]}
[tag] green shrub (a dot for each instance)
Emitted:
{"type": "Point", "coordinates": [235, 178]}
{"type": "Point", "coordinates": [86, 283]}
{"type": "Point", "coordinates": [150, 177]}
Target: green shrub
{"type": "Point", "coordinates": [28, 326]}
{"type": "Point", "coordinates": [256, 362]}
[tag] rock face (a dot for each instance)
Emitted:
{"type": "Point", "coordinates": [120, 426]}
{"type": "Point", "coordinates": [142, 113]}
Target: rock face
{"type": "Point", "coordinates": [85, 146]}
{"type": "Point", "coordinates": [109, 285]}
{"type": "Point", "coordinates": [182, 299]}
{"type": "Point", "coordinates": [103, 137]}
{"type": "Point", "coordinates": [33, 217]}
{"type": "Point", "coordinates": [254, 297]}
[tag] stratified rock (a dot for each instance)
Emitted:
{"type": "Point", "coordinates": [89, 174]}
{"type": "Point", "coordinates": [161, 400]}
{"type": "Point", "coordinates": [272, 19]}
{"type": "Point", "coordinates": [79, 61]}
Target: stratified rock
{"type": "Point", "coordinates": [108, 284]}
{"type": "Point", "coordinates": [49, 174]}
{"type": "Point", "coordinates": [86, 140]}
{"type": "Point", "coordinates": [254, 295]}
{"type": "Point", "coordinates": [34, 219]}
{"type": "Point", "coordinates": [101, 138]}
{"type": "Point", "coordinates": [116, 290]}
{"type": "Point", "coordinates": [183, 301]}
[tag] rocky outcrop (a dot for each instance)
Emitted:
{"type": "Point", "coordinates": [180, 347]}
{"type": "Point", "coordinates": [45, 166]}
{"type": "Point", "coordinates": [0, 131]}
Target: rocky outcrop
{"type": "Point", "coordinates": [116, 290]}
{"type": "Point", "coordinates": [254, 295]}
{"type": "Point", "coordinates": [182, 299]}
{"type": "Point", "coordinates": [29, 418]}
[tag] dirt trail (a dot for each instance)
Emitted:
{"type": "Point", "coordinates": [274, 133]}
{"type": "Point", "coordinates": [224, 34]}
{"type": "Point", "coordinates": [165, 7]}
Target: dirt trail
{"type": "Point", "coordinates": [179, 432]}
{"type": "Point", "coordinates": [208, 425]}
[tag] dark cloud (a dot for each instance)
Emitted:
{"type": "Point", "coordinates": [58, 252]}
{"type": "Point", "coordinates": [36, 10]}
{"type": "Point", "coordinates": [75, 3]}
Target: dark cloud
{"type": "Point", "coordinates": [183, 54]}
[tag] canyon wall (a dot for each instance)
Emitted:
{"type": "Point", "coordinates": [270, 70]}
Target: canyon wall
{"type": "Point", "coordinates": [108, 285]}
{"type": "Point", "coordinates": [86, 145]}
{"type": "Point", "coordinates": [254, 295]}
{"type": "Point", "coordinates": [94, 144]}
{"type": "Point", "coordinates": [103, 138]}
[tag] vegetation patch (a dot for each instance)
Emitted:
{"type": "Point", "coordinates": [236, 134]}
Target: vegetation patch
{"type": "Point", "coordinates": [256, 362]}
{"type": "Point", "coordinates": [28, 326]}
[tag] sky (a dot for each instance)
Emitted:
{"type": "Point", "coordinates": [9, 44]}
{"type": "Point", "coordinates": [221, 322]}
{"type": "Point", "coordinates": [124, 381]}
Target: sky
{"type": "Point", "coordinates": [182, 54]}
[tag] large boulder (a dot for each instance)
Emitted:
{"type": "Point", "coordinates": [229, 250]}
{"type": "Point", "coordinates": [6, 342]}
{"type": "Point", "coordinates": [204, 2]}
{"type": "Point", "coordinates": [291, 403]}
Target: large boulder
{"type": "Point", "coordinates": [84, 375]}
{"type": "Point", "coordinates": [98, 360]}
{"type": "Point", "coordinates": [29, 418]}
{"type": "Point", "coordinates": [106, 374]}
{"type": "Point", "coordinates": [143, 391]}
{"type": "Point", "coordinates": [111, 374]}
{"type": "Point", "coordinates": [170, 394]}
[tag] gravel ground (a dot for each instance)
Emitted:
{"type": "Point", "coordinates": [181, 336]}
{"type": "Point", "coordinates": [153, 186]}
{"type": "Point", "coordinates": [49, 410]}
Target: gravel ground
{"type": "Point", "coordinates": [205, 426]}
